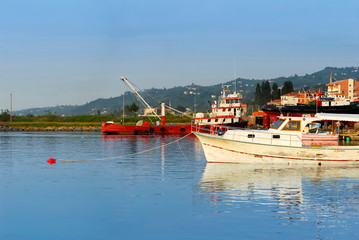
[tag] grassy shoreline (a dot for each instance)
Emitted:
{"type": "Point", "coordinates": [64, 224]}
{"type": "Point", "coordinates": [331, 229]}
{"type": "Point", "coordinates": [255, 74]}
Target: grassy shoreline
{"type": "Point", "coordinates": [80, 121]}
{"type": "Point", "coordinates": [51, 124]}
{"type": "Point", "coordinates": [75, 123]}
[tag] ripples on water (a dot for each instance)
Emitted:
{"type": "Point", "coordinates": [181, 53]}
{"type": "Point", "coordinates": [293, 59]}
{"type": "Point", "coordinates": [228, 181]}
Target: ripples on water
{"type": "Point", "coordinates": [167, 193]}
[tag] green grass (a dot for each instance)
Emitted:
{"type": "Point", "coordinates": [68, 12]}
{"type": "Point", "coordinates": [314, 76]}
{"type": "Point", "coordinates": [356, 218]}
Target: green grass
{"type": "Point", "coordinates": [52, 124]}
{"type": "Point", "coordinates": [84, 120]}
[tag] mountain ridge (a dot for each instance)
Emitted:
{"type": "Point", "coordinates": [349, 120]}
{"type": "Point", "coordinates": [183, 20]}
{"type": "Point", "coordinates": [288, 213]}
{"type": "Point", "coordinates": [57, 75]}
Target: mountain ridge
{"type": "Point", "coordinates": [177, 96]}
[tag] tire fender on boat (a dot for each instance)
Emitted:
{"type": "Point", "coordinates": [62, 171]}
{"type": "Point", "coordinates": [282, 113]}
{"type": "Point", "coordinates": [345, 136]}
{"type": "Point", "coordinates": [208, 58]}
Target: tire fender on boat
{"type": "Point", "coordinates": [215, 128]}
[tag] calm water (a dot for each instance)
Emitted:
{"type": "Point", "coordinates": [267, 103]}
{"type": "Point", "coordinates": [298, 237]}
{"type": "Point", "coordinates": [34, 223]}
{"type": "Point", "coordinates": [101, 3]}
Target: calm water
{"type": "Point", "coordinates": [167, 193]}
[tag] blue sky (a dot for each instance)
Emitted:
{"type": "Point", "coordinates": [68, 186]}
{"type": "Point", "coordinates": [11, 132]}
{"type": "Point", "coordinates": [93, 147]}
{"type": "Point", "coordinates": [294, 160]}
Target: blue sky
{"type": "Point", "coordinates": [62, 52]}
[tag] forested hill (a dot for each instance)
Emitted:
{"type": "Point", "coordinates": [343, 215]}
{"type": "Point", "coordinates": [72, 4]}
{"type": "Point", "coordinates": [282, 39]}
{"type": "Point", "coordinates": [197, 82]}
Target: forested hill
{"type": "Point", "coordinates": [185, 97]}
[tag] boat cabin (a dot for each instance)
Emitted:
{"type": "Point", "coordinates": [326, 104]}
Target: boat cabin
{"type": "Point", "coordinates": [297, 131]}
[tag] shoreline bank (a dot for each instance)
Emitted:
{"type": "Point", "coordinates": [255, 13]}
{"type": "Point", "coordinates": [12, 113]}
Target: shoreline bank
{"type": "Point", "coordinates": [6, 128]}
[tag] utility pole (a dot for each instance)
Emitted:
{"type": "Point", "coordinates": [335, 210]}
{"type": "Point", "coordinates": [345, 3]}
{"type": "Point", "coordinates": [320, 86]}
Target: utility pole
{"type": "Point", "coordinates": [194, 107]}
{"type": "Point", "coordinates": [123, 109]}
{"type": "Point", "coordinates": [10, 107]}
{"type": "Point", "coordinates": [195, 101]}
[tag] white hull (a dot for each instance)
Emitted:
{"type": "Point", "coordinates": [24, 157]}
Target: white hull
{"type": "Point", "coordinates": [220, 150]}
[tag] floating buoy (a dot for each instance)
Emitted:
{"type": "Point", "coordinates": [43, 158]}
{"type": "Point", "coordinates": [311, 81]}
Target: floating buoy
{"type": "Point", "coordinates": [51, 161]}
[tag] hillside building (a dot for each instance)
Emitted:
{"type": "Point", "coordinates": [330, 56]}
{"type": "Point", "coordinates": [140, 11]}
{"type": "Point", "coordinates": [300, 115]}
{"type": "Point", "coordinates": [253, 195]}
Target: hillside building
{"type": "Point", "coordinates": [294, 98]}
{"type": "Point", "coordinates": [348, 87]}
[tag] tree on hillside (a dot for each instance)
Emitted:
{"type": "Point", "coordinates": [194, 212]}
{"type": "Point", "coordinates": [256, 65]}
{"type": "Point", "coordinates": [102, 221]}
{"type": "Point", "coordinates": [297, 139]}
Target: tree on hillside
{"type": "Point", "coordinates": [266, 92]}
{"type": "Point", "coordinates": [287, 87]}
{"type": "Point", "coordinates": [181, 108]}
{"type": "Point", "coordinates": [275, 92]}
{"type": "Point", "coordinates": [258, 99]}
{"type": "Point", "coordinates": [4, 116]}
{"type": "Point", "coordinates": [133, 108]}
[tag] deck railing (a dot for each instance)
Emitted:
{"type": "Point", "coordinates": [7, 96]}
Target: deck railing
{"type": "Point", "coordinates": [251, 136]}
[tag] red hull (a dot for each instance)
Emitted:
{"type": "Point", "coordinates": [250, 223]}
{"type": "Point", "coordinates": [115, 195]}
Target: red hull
{"type": "Point", "coordinates": [111, 128]}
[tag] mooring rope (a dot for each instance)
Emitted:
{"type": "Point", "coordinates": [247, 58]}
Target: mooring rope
{"type": "Point", "coordinates": [179, 146]}
{"type": "Point", "coordinates": [52, 160]}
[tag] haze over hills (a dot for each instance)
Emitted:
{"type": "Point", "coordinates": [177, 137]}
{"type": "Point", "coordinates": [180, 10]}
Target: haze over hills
{"type": "Point", "coordinates": [184, 95]}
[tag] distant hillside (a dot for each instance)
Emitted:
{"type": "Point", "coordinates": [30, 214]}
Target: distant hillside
{"type": "Point", "coordinates": [181, 96]}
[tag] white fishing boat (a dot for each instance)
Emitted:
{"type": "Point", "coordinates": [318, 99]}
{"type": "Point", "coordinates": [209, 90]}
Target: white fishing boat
{"type": "Point", "coordinates": [287, 141]}
{"type": "Point", "coordinates": [228, 111]}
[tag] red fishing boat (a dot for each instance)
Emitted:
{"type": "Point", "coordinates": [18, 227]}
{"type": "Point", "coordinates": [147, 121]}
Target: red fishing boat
{"type": "Point", "coordinates": [145, 128]}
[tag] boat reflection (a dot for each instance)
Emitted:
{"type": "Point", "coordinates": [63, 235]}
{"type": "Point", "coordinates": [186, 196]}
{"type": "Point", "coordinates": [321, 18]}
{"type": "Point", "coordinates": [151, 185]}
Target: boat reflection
{"type": "Point", "coordinates": [293, 190]}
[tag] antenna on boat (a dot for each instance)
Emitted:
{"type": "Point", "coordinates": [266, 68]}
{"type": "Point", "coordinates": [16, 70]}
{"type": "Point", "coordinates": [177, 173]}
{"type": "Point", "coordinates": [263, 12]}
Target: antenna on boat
{"type": "Point", "coordinates": [234, 73]}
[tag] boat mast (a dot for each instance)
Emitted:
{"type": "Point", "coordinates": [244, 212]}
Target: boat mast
{"type": "Point", "coordinates": [124, 79]}
{"type": "Point", "coordinates": [234, 74]}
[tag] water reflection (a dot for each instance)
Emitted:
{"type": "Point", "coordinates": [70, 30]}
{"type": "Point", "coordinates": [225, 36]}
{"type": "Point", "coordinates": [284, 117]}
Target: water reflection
{"type": "Point", "coordinates": [292, 193]}
{"type": "Point", "coordinates": [157, 146]}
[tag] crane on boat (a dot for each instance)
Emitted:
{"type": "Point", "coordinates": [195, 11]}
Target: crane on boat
{"type": "Point", "coordinates": [163, 105]}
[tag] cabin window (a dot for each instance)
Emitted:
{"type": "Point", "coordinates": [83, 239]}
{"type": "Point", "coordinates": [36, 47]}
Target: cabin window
{"type": "Point", "coordinates": [208, 120]}
{"type": "Point", "coordinates": [216, 120]}
{"type": "Point", "coordinates": [292, 125]}
{"type": "Point", "coordinates": [251, 136]}
{"type": "Point", "coordinates": [277, 123]}
{"type": "Point", "coordinates": [276, 136]}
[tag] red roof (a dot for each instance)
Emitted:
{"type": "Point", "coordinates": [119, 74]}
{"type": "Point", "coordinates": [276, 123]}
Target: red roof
{"type": "Point", "coordinates": [275, 102]}
{"type": "Point", "coordinates": [294, 94]}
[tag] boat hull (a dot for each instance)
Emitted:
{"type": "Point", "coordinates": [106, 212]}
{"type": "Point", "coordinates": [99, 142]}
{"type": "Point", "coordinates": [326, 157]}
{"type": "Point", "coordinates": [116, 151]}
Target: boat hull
{"type": "Point", "coordinates": [320, 139]}
{"type": "Point", "coordinates": [111, 128]}
{"type": "Point", "coordinates": [352, 108]}
{"type": "Point", "coordinates": [168, 129]}
{"type": "Point", "coordinates": [220, 150]}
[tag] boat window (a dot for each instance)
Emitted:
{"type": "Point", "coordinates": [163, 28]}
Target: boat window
{"type": "Point", "coordinates": [292, 125]}
{"type": "Point", "coordinates": [312, 128]}
{"type": "Point", "coordinates": [276, 124]}
{"type": "Point", "coordinates": [251, 136]}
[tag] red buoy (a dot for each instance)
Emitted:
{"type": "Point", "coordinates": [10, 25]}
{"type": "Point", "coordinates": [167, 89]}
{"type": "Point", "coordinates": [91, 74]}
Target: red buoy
{"type": "Point", "coordinates": [51, 161]}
